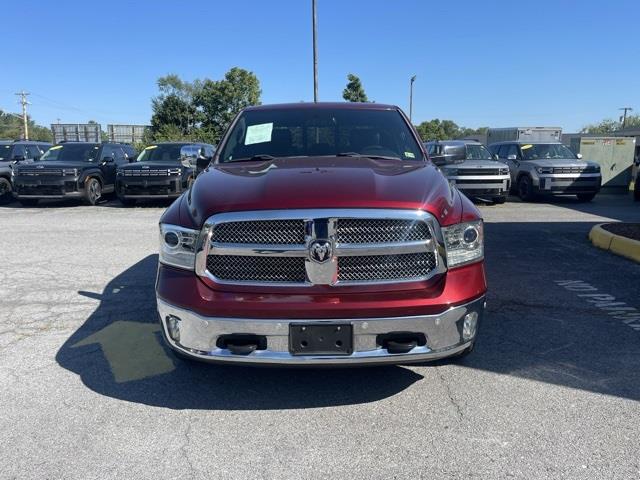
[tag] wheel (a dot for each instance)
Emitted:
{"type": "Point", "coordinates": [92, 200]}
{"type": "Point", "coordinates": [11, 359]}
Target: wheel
{"type": "Point", "coordinates": [127, 202]}
{"type": "Point", "coordinates": [586, 197]}
{"type": "Point", "coordinates": [92, 191]}
{"type": "Point", "coordinates": [28, 202]}
{"type": "Point", "coordinates": [525, 188]}
{"type": "Point", "coordinates": [499, 200]}
{"type": "Point", "coordinates": [5, 191]}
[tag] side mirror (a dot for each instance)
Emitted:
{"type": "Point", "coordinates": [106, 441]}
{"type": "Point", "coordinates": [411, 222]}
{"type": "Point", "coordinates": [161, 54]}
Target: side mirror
{"type": "Point", "coordinates": [107, 160]}
{"type": "Point", "coordinates": [19, 158]}
{"type": "Point", "coordinates": [202, 162]}
{"type": "Point", "coordinates": [579, 156]}
{"type": "Point", "coordinates": [495, 156]}
{"type": "Point", "coordinates": [512, 157]}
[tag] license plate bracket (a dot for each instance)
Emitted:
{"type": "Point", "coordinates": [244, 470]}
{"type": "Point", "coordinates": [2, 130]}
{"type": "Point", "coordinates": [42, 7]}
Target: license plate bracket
{"type": "Point", "coordinates": [320, 339]}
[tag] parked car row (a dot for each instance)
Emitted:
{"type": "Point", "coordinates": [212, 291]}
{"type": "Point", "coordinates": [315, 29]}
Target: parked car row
{"type": "Point", "coordinates": [525, 166]}
{"type": "Point", "coordinates": [89, 171]}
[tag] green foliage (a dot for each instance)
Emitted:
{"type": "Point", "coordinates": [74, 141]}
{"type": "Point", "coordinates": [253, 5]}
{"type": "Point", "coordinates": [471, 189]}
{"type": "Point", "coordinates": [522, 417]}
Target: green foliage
{"type": "Point", "coordinates": [221, 100]}
{"type": "Point", "coordinates": [609, 126]}
{"type": "Point", "coordinates": [201, 110]}
{"type": "Point", "coordinates": [11, 128]}
{"type": "Point", "coordinates": [446, 130]}
{"type": "Point", "coordinates": [354, 91]}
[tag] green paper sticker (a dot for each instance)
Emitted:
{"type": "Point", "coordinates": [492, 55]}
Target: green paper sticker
{"type": "Point", "coordinates": [409, 155]}
{"type": "Point", "coordinates": [258, 133]}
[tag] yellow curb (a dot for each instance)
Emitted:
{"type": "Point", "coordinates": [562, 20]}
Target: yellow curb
{"type": "Point", "coordinates": [617, 244]}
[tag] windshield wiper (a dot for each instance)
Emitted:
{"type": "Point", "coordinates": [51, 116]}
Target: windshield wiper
{"type": "Point", "coordinates": [262, 156]}
{"type": "Point", "coordinates": [372, 157]}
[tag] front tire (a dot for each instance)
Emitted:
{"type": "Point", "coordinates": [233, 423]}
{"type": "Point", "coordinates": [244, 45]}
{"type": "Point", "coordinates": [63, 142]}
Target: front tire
{"type": "Point", "coordinates": [92, 191]}
{"type": "Point", "coordinates": [525, 188]}
{"type": "Point", "coordinates": [5, 191]}
{"type": "Point", "coordinates": [586, 197]}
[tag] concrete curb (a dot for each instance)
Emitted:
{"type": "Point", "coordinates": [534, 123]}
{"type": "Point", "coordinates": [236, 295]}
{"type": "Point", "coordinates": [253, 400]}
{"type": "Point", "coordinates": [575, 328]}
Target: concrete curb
{"type": "Point", "coordinates": [617, 244]}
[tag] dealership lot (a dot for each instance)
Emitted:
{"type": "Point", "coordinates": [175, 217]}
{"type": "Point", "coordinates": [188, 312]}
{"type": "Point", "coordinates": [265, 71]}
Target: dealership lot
{"type": "Point", "coordinates": [552, 390]}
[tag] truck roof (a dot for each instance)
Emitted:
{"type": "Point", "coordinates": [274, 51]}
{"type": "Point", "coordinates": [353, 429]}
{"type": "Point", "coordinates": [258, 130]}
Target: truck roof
{"type": "Point", "coordinates": [321, 105]}
{"type": "Point", "coordinates": [455, 142]}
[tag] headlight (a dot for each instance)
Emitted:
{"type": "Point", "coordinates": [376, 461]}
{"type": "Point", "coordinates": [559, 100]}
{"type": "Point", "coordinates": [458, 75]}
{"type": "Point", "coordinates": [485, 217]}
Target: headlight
{"type": "Point", "coordinates": [70, 171]}
{"type": "Point", "coordinates": [544, 169]}
{"type": "Point", "coordinates": [178, 246]}
{"type": "Point", "coordinates": [464, 243]}
{"type": "Point", "coordinates": [504, 171]}
{"type": "Point", "coordinates": [119, 173]}
{"type": "Point", "coordinates": [174, 171]}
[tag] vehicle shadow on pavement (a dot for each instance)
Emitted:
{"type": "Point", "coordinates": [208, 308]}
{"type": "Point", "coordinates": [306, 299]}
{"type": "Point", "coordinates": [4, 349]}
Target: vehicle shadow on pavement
{"type": "Point", "coordinates": [119, 352]}
{"type": "Point", "coordinates": [535, 328]}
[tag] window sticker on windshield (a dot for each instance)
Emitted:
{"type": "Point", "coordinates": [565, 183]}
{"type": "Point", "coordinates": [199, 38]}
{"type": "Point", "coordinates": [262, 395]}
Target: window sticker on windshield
{"type": "Point", "coordinates": [57, 147]}
{"type": "Point", "coordinates": [258, 133]}
{"type": "Point", "coordinates": [409, 155]}
{"type": "Point", "coordinates": [151, 147]}
{"type": "Point", "coordinates": [524, 147]}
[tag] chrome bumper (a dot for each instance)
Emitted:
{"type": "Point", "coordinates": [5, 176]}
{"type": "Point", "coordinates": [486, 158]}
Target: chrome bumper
{"type": "Point", "coordinates": [444, 334]}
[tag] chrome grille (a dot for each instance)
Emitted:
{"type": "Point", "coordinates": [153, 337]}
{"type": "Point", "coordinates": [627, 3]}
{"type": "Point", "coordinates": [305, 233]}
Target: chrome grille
{"type": "Point", "coordinates": [479, 171]}
{"type": "Point", "coordinates": [51, 172]}
{"type": "Point", "coordinates": [152, 172]}
{"type": "Point", "coordinates": [371, 268]}
{"type": "Point", "coordinates": [268, 232]}
{"type": "Point", "coordinates": [367, 230]}
{"type": "Point", "coordinates": [238, 268]}
{"type": "Point", "coordinates": [281, 246]}
{"type": "Point", "coordinates": [574, 170]}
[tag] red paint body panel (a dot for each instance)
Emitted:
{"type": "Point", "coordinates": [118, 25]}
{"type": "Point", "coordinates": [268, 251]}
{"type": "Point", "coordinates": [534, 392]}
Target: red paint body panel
{"type": "Point", "coordinates": [183, 288]}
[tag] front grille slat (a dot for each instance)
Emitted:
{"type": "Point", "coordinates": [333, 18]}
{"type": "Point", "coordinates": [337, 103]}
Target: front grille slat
{"type": "Point", "coordinates": [371, 268]}
{"type": "Point", "coordinates": [267, 232]}
{"type": "Point", "coordinates": [239, 268]}
{"type": "Point", "coordinates": [147, 173]}
{"type": "Point", "coordinates": [32, 172]}
{"type": "Point", "coordinates": [367, 230]}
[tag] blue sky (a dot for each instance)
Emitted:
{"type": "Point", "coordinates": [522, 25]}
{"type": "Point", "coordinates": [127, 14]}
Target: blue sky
{"type": "Point", "coordinates": [565, 63]}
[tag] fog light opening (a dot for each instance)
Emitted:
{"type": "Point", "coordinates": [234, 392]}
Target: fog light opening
{"type": "Point", "coordinates": [469, 325]}
{"type": "Point", "coordinates": [173, 327]}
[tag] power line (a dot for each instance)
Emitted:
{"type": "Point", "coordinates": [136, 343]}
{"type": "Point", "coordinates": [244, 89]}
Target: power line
{"type": "Point", "coordinates": [23, 100]}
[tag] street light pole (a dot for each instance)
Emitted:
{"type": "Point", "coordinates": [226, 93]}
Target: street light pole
{"type": "Point", "coordinates": [413, 79]}
{"type": "Point", "coordinates": [315, 51]}
{"type": "Point", "coordinates": [624, 115]}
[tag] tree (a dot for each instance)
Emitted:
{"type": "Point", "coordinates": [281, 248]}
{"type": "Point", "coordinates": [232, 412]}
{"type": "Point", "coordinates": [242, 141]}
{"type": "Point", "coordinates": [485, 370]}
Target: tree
{"type": "Point", "coordinates": [173, 110]}
{"type": "Point", "coordinates": [11, 128]}
{"type": "Point", "coordinates": [221, 100]}
{"type": "Point", "coordinates": [446, 130]}
{"type": "Point", "coordinates": [609, 125]}
{"type": "Point", "coordinates": [354, 91]}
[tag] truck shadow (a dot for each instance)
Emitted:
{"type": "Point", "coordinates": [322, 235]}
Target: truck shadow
{"type": "Point", "coordinates": [534, 329]}
{"type": "Point", "coordinates": [119, 352]}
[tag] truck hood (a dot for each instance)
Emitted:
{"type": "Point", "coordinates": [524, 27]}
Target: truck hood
{"type": "Point", "coordinates": [323, 182]}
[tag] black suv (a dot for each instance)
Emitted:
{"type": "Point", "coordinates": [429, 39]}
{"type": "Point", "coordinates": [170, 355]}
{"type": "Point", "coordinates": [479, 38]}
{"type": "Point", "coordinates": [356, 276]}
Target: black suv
{"type": "Point", "coordinates": [11, 153]}
{"type": "Point", "coordinates": [71, 170]}
{"type": "Point", "coordinates": [162, 170]}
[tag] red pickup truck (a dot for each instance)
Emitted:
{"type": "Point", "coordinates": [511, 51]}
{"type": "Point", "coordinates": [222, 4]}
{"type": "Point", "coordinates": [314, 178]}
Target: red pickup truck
{"type": "Point", "coordinates": [321, 234]}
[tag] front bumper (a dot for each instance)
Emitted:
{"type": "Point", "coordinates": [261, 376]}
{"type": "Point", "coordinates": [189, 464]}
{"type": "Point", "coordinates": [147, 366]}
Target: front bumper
{"type": "Point", "coordinates": [46, 187]}
{"type": "Point", "coordinates": [149, 187]}
{"type": "Point", "coordinates": [443, 332]}
{"type": "Point", "coordinates": [568, 183]}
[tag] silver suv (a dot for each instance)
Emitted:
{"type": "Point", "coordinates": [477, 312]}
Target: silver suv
{"type": "Point", "coordinates": [475, 172]}
{"type": "Point", "coordinates": [548, 168]}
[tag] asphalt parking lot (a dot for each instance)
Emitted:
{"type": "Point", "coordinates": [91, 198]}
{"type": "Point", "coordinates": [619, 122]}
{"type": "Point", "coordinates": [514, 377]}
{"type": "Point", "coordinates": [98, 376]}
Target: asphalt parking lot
{"type": "Point", "coordinates": [89, 391]}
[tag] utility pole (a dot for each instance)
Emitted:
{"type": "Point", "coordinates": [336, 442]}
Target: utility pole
{"type": "Point", "coordinates": [413, 79]}
{"type": "Point", "coordinates": [23, 100]}
{"type": "Point", "coordinates": [315, 51]}
{"type": "Point", "coordinates": [624, 115]}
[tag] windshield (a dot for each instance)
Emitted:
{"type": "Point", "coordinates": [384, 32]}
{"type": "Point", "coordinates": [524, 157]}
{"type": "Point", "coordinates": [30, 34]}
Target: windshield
{"type": "Point", "coordinates": [302, 132]}
{"type": "Point", "coordinates": [5, 152]}
{"type": "Point", "coordinates": [69, 152]}
{"type": "Point", "coordinates": [545, 150]}
{"type": "Point", "coordinates": [169, 153]}
{"type": "Point", "coordinates": [478, 152]}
